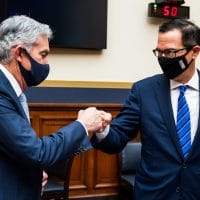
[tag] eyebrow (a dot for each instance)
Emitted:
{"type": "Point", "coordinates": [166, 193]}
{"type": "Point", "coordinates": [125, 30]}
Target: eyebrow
{"type": "Point", "coordinates": [166, 49]}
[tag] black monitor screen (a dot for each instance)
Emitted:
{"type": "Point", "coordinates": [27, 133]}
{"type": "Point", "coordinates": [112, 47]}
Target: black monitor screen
{"type": "Point", "coordinates": [75, 23]}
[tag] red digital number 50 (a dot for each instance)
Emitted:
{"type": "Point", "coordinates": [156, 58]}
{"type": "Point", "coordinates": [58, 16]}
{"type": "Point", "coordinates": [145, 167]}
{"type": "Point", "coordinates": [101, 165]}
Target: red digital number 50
{"type": "Point", "coordinates": [170, 11]}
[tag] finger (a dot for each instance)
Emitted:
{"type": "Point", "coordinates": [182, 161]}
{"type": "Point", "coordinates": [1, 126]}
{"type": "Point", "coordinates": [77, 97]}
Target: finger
{"type": "Point", "coordinates": [107, 117]}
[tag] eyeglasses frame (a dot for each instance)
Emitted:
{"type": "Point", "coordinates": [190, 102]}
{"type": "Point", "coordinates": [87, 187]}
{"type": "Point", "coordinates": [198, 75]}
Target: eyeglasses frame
{"type": "Point", "coordinates": [174, 51]}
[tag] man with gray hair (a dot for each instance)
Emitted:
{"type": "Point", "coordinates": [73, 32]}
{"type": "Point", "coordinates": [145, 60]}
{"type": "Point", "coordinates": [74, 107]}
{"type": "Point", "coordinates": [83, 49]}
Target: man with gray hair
{"type": "Point", "coordinates": [24, 48]}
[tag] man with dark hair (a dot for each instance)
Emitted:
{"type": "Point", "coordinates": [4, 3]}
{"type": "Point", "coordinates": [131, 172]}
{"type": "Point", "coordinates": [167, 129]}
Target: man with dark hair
{"type": "Point", "coordinates": [164, 109]}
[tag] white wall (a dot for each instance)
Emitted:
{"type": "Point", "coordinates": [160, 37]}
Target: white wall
{"type": "Point", "coordinates": [131, 36]}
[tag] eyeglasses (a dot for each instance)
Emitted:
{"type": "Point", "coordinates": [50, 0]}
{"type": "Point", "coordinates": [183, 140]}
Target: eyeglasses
{"type": "Point", "coordinates": [168, 53]}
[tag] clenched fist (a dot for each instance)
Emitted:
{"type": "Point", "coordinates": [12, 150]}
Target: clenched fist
{"type": "Point", "coordinates": [94, 120]}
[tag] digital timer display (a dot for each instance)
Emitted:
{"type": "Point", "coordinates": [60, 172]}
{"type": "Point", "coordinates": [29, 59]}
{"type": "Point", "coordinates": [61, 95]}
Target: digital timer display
{"type": "Point", "coordinates": [168, 11]}
{"type": "Point", "coordinates": [177, 2]}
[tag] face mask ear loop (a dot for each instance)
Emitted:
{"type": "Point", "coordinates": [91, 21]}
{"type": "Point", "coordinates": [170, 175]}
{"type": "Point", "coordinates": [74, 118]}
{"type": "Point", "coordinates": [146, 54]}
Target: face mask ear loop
{"type": "Point", "coordinates": [190, 62]}
{"type": "Point", "coordinates": [187, 53]}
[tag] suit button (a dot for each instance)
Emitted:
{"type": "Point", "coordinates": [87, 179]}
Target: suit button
{"type": "Point", "coordinates": [184, 166]}
{"type": "Point", "coordinates": [84, 148]}
{"type": "Point", "coordinates": [178, 189]}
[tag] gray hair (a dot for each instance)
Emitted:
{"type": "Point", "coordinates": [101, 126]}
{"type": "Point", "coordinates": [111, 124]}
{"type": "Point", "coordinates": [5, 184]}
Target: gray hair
{"type": "Point", "coordinates": [20, 30]}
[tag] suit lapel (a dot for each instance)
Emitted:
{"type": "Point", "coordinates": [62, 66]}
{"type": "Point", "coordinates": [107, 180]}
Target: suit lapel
{"type": "Point", "coordinates": [197, 134]}
{"type": "Point", "coordinates": [162, 90]}
{"type": "Point", "coordinates": [8, 90]}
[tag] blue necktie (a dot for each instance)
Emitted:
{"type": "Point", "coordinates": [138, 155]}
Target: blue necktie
{"type": "Point", "coordinates": [23, 101]}
{"type": "Point", "coordinates": [183, 126]}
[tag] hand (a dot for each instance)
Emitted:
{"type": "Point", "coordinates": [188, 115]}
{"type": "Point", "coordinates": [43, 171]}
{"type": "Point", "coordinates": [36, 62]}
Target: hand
{"type": "Point", "coordinates": [106, 120]}
{"type": "Point", "coordinates": [44, 181]}
{"type": "Point", "coordinates": [93, 119]}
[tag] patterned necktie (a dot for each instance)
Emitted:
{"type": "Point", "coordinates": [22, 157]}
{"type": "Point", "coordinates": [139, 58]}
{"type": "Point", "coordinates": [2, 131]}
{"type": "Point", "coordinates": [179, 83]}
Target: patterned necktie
{"type": "Point", "coordinates": [183, 126]}
{"type": "Point", "coordinates": [23, 101]}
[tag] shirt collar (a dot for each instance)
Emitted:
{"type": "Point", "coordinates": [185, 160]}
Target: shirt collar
{"type": "Point", "coordinates": [192, 83]}
{"type": "Point", "coordinates": [12, 80]}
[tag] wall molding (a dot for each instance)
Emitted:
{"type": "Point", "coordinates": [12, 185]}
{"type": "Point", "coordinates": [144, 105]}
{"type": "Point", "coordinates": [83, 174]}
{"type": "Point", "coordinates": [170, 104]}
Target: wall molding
{"type": "Point", "coordinates": [86, 84]}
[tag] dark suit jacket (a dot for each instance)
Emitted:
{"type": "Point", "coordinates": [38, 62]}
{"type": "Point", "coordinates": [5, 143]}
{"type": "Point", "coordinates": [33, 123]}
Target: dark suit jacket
{"type": "Point", "coordinates": [162, 174]}
{"type": "Point", "coordinates": [23, 155]}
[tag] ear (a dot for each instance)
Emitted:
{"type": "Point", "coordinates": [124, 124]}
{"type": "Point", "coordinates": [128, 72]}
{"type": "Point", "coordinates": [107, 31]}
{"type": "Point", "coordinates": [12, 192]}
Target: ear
{"type": "Point", "coordinates": [18, 52]}
{"type": "Point", "coordinates": [195, 50]}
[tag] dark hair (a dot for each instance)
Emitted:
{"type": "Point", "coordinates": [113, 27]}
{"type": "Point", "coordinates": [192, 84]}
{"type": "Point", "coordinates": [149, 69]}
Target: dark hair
{"type": "Point", "coordinates": [190, 31]}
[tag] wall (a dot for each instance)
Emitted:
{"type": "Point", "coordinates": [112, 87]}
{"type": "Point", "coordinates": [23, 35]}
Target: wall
{"type": "Point", "coordinates": [128, 57]}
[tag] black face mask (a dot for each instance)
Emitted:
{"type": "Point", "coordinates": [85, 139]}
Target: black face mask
{"type": "Point", "coordinates": [172, 67]}
{"type": "Point", "coordinates": [36, 74]}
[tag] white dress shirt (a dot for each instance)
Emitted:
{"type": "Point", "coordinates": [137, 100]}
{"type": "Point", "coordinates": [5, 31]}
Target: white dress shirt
{"type": "Point", "coordinates": [12, 80]}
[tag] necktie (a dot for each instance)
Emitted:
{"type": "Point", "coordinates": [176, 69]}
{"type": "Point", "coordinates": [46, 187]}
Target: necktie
{"type": "Point", "coordinates": [23, 101]}
{"type": "Point", "coordinates": [183, 122]}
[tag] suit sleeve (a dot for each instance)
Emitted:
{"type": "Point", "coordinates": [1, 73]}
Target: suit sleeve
{"type": "Point", "coordinates": [19, 141]}
{"type": "Point", "coordinates": [124, 127]}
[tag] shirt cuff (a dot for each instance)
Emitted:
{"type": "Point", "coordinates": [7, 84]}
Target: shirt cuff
{"type": "Point", "coordinates": [83, 126]}
{"type": "Point", "coordinates": [100, 136]}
